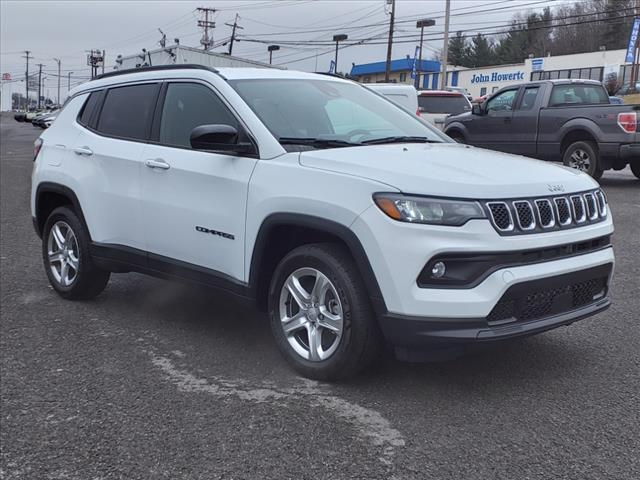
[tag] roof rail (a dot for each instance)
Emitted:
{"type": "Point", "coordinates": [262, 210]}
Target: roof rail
{"type": "Point", "coordinates": [154, 68]}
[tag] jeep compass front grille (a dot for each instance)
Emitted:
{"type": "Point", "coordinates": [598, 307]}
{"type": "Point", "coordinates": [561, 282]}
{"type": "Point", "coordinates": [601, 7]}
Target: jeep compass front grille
{"type": "Point", "coordinates": [536, 215]}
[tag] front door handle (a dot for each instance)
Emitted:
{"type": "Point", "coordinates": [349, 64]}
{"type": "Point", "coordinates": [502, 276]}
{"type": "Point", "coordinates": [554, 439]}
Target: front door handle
{"type": "Point", "coordinates": [83, 151]}
{"type": "Point", "coordinates": [157, 163]}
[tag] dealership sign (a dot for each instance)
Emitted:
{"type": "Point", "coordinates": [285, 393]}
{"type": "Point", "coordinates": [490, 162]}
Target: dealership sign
{"type": "Point", "coordinates": [633, 39]}
{"type": "Point", "coordinates": [497, 77]}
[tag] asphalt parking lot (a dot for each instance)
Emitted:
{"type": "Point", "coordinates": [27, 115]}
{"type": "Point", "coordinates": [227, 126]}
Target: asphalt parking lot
{"type": "Point", "coordinates": [159, 380]}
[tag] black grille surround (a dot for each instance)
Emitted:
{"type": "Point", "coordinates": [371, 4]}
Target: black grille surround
{"type": "Point", "coordinates": [539, 299]}
{"type": "Point", "coordinates": [523, 216]}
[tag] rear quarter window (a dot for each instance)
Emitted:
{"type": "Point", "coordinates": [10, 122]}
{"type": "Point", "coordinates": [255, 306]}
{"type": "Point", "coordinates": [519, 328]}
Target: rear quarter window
{"type": "Point", "coordinates": [89, 108]}
{"type": "Point", "coordinates": [127, 112]}
{"type": "Point", "coordinates": [451, 104]}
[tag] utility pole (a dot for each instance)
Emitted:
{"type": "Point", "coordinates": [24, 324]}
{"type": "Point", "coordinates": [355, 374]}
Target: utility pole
{"type": "Point", "coordinates": [426, 22]}
{"type": "Point", "coordinates": [205, 41]}
{"type": "Point", "coordinates": [39, 65]}
{"type": "Point", "coordinates": [271, 49]}
{"type": "Point", "coordinates": [69, 82]}
{"type": "Point", "coordinates": [26, 79]}
{"type": "Point", "coordinates": [103, 59]}
{"type": "Point", "coordinates": [445, 47]}
{"type": "Point", "coordinates": [338, 39]}
{"type": "Point", "coordinates": [59, 75]}
{"type": "Point", "coordinates": [233, 32]}
{"type": "Point", "coordinates": [387, 69]}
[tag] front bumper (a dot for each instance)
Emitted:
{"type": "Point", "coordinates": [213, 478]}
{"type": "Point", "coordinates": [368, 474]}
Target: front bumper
{"type": "Point", "coordinates": [535, 307]}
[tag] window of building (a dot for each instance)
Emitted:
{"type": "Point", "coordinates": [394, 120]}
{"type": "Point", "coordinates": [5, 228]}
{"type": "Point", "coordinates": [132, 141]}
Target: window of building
{"type": "Point", "coordinates": [403, 77]}
{"type": "Point", "coordinates": [127, 111]}
{"type": "Point", "coordinates": [590, 73]}
{"type": "Point", "coordinates": [483, 91]}
{"type": "Point", "coordinates": [494, 89]}
{"type": "Point", "coordinates": [367, 80]}
{"type": "Point", "coordinates": [187, 106]}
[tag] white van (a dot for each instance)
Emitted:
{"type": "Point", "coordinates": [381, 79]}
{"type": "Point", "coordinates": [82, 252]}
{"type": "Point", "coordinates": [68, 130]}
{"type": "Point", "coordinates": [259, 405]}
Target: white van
{"type": "Point", "coordinates": [404, 95]}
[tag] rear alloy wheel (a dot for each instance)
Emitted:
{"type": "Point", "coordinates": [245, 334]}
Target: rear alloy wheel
{"type": "Point", "coordinates": [320, 313]}
{"type": "Point", "coordinates": [65, 252]}
{"type": "Point", "coordinates": [583, 156]}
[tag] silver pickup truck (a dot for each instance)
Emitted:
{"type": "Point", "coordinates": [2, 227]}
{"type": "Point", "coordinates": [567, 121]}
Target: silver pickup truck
{"type": "Point", "coordinates": [568, 120]}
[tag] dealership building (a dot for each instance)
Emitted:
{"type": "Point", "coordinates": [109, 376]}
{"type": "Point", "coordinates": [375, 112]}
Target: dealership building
{"type": "Point", "coordinates": [486, 80]}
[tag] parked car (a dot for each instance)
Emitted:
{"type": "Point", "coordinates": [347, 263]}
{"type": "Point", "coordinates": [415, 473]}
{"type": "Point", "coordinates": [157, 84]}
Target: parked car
{"type": "Point", "coordinates": [349, 220]}
{"type": "Point", "coordinates": [436, 105]}
{"type": "Point", "coordinates": [626, 89]}
{"type": "Point", "coordinates": [568, 120]}
{"type": "Point", "coordinates": [20, 116]}
{"type": "Point", "coordinates": [405, 96]}
{"type": "Point", "coordinates": [45, 119]}
{"type": "Point", "coordinates": [616, 100]}
{"type": "Point", "coordinates": [461, 90]}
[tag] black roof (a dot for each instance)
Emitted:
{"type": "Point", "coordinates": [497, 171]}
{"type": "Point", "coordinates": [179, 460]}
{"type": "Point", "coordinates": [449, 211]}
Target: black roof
{"type": "Point", "coordinates": [188, 66]}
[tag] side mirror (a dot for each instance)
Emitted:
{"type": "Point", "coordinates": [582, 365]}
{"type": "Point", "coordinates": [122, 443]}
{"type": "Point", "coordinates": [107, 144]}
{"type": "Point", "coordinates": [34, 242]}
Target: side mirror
{"type": "Point", "coordinates": [477, 109]}
{"type": "Point", "coordinates": [218, 138]}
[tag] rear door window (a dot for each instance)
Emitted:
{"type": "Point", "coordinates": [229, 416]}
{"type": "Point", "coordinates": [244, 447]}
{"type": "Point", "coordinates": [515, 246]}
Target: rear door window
{"type": "Point", "coordinates": [529, 98]}
{"type": "Point", "coordinates": [578, 94]}
{"type": "Point", "coordinates": [187, 106]}
{"type": "Point", "coordinates": [127, 111]}
{"type": "Point", "coordinates": [452, 104]}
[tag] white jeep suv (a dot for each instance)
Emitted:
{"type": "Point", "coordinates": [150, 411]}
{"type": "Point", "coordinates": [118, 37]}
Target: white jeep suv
{"type": "Point", "coordinates": [345, 217]}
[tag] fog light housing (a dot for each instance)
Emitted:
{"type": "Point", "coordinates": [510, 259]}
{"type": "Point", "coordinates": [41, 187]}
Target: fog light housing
{"type": "Point", "coordinates": [438, 270]}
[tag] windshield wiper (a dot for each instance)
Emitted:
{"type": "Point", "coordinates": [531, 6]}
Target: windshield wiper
{"type": "Point", "coordinates": [316, 142]}
{"type": "Point", "coordinates": [399, 139]}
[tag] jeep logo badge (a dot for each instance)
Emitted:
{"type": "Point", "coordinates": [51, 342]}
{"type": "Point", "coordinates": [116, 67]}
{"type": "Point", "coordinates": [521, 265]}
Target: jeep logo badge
{"type": "Point", "coordinates": [556, 188]}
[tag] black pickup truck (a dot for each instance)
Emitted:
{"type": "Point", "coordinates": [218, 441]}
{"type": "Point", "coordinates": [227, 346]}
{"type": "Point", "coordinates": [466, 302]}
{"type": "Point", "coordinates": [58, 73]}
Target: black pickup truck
{"type": "Point", "coordinates": [568, 120]}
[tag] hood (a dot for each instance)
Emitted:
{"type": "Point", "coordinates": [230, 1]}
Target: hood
{"type": "Point", "coordinates": [450, 170]}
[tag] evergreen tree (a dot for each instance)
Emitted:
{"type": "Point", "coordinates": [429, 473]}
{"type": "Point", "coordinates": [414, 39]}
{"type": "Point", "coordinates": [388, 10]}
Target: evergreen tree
{"type": "Point", "coordinates": [481, 52]}
{"type": "Point", "coordinates": [457, 52]}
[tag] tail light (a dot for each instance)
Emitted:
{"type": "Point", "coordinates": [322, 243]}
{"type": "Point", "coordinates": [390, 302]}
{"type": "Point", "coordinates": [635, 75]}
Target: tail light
{"type": "Point", "coordinates": [628, 121]}
{"type": "Point", "coordinates": [418, 112]}
{"type": "Point", "coordinates": [37, 145]}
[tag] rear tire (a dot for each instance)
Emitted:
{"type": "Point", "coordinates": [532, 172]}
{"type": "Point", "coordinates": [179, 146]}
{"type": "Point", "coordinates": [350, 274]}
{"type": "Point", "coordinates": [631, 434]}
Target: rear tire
{"type": "Point", "coordinates": [65, 252]}
{"type": "Point", "coordinates": [583, 156]}
{"type": "Point", "coordinates": [635, 168]}
{"type": "Point", "coordinates": [337, 320]}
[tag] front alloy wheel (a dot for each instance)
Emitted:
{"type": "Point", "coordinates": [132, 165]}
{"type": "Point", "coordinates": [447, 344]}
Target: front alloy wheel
{"type": "Point", "coordinates": [311, 314]}
{"type": "Point", "coordinates": [320, 313]}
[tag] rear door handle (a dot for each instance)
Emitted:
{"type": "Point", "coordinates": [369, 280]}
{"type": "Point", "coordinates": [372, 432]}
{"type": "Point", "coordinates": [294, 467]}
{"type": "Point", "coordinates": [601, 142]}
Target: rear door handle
{"type": "Point", "coordinates": [157, 163]}
{"type": "Point", "coordinates": [83, 151]}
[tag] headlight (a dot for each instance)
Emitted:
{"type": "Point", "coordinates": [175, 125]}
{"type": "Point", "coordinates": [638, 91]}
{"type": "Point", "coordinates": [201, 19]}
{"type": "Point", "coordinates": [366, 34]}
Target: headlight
{"type": "Point", "coordinates": [434, 211]}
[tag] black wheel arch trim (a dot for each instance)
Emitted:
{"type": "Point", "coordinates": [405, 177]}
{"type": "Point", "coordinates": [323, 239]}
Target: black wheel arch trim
{"type": "Point", "coordinates": [336, 229]}
{"type": "Point", "coordinates": [52, 187]}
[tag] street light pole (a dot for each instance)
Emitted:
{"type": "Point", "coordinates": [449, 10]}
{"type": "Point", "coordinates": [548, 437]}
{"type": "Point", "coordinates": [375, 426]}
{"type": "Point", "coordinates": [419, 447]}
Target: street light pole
{"type": "Point", "coordinates": [59, 74]}
{"type": "Point", "coordinates": [426, 22]}
{"type": "Point", "coordinates": [338, 38]}
{"type": "Point", "coordinates": [271, 49]}
{"type": "Point", "coordinates": [69, 82]}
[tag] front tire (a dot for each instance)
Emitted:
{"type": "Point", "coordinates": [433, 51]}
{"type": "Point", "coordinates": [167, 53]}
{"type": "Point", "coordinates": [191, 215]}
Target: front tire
{"type": "Point", "coordinates": [320, 313]}
{"type": "Point", "coordinates": [635, 168]}
{"type": "Point", "coordinates": [583, 156]}
{"type": "Point", "coordinates": [65, 252]}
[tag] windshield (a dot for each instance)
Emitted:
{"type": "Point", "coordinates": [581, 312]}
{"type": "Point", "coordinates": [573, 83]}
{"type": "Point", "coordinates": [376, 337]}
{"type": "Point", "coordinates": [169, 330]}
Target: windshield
{"type": "Point", "coordinates": [452, 104]}
{"type": "Point", "coordinates": [329, 114]}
